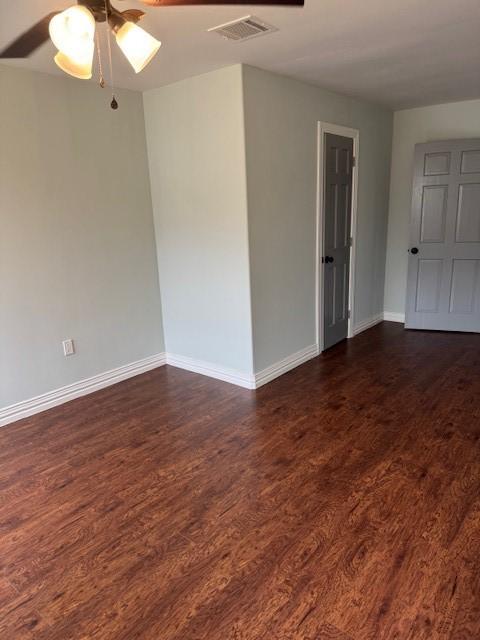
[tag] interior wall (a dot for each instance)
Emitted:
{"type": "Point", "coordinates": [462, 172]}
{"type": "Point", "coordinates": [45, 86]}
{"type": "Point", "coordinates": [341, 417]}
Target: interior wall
{"type": "Point", "coordinates": [77, 250]}
{"type": "Point", "coordinates": [412, 126]}
{"type": "Point", "coordinates": [281, 116]}
{"type": "Point", "coordinates": [196, 147]}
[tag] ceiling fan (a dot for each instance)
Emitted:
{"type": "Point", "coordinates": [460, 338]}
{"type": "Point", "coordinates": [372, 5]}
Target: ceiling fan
{"type": "Point", "coordinates": [73, 32]}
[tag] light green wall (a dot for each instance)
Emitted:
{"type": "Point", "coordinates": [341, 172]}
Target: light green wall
{"type": "Point", "coordinates": [77, 250]}
{"type": "Point", "coordinates": [412, 126]}
{"type": "Point", "coordinates": [218, 140]}
{"type": "Point", "coordinates": [196, 150]}
{"type": "Point", "coordinates": [281, 118]}
{"type": "Point", "coordinates": [77, 244]}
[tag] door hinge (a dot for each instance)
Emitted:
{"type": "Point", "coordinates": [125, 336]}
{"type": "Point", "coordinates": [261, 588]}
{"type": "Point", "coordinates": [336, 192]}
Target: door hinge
{"type": "Point", "coordinates": [350, 242]}
{"type": "Point", "coordinates": [349, 314]}
{"type": "Point", "coordinates": [354, 161]}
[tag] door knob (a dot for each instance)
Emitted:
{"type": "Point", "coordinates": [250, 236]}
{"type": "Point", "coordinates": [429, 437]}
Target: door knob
{"type": "Point", "coordinates": [328, 259]}
{"type": "Point", "coordinates": [414, 251]}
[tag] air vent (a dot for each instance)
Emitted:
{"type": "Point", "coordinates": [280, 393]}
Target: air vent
{"type": "Point", "coordinates": [243, 29]}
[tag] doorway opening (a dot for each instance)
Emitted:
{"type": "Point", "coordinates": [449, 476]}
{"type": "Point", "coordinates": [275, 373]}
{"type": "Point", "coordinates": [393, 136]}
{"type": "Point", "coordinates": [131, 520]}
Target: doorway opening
{"type": "Point", "coordinates": [337, 193]}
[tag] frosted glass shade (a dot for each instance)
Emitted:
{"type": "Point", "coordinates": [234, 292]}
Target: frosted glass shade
{"type": "Point", "coordinates": [72, 32]}
{"type": "Point", "coordinates": [79, 66]}
{"type": "Point", "coordinates": [138, 46]}
{"type": "Point", "coordinates": [72, 29]}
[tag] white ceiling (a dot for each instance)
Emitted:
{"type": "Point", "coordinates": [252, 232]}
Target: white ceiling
{"type": "Point", "coordinates": [401, 53]}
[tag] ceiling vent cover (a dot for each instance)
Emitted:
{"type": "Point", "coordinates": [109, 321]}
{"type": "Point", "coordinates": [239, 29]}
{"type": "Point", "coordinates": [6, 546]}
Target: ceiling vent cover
{"type": "Point", "coordinates": [243, 29]}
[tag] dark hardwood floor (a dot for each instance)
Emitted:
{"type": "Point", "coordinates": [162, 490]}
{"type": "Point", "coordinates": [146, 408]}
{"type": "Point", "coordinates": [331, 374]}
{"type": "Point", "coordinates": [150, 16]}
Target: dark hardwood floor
{"type": "Point", "coordinates": [340, 502]}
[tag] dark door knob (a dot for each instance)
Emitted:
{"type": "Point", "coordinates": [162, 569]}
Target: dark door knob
{"type": "Point", "coordinates": [414, 251]}
{"type": "Point", "coordinates": [328, 259]}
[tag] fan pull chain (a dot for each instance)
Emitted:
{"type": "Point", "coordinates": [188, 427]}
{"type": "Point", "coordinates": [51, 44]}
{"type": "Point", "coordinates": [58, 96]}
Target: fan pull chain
{"type": "Point", "coordinates": [99, 60]}
{"type": "Point", "coordinates": [113, 103]}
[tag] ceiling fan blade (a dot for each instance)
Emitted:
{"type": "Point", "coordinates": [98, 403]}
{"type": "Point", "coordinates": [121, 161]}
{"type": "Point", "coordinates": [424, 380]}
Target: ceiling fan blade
{"type": "Point", "coordinates": [177, 3]}
{"type": "Point", "coordinates": [26, 44]}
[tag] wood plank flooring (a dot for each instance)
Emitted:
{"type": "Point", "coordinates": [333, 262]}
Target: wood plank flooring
{"type": "Point", "coordinates": [340, 502]}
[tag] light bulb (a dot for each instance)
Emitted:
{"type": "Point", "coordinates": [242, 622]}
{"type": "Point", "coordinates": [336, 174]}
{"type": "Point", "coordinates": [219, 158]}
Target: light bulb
{"type": "Point", "coordinates": [78, 65]}
{"type": "Point", "coordinates": [72, 31]}
{"type": "Point", "coordinates": [138, 46]}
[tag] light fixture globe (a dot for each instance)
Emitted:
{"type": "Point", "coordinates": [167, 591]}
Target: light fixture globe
{"type": "Point", "coordinates": [72, 32]}
{"type": "Point", "coordinates": [71, 29]}
{"type": "Point", "coordinates": [138, 46]}
{"type": "Point", "coordinates": [79, 66]}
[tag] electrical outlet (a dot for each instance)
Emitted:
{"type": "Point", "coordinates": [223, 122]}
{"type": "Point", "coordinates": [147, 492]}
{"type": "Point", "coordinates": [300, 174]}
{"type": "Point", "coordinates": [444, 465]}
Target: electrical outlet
{"type": "Point", "coordinates": [68, 347]}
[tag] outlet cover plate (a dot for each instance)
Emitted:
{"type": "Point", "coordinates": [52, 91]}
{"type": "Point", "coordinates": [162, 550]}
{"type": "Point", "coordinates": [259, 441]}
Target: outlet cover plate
{"type": "Point", "coordinates": [68, 347]}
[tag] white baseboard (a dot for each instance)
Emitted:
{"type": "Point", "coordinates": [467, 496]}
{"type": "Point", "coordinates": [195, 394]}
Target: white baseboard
{"type": "Point", "coordinates": [56, 397]}
{"type": "Point", "coordinates": [77, 389]}
{"type": "Point", "coordinates": [212, 370]}
{"type": "Point", "coordinates": [245, 380]}
{"type": "Point", "coordinates": [367, 324]}
{"type": "Point", "coordinates": [287, 364]}
{"type": "Point", "coordinates": [248, 381]}
{"type": "Point", "coordinates": [371, 322]}
{"type": "Point", "coordinates": [394, 317]}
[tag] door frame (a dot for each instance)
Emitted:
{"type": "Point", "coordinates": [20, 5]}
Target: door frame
{"type": "Point", "coordinates": [354, 134]}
